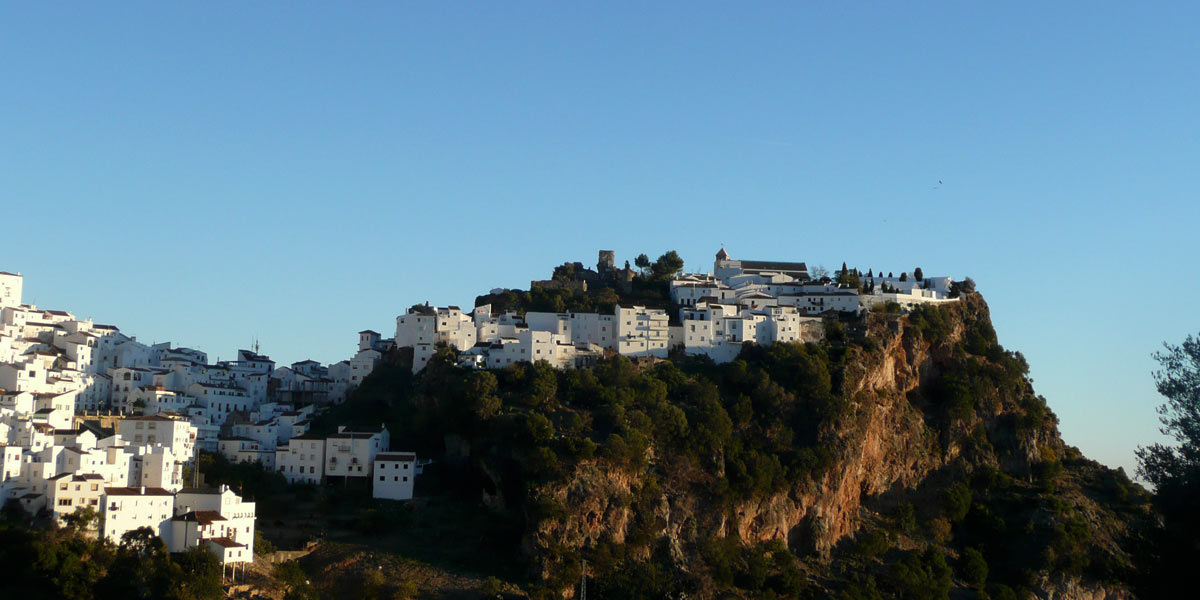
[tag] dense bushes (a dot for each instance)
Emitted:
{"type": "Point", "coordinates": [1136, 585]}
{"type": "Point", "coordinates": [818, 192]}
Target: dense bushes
{"type": "Point", "coordinates": [55, 563]}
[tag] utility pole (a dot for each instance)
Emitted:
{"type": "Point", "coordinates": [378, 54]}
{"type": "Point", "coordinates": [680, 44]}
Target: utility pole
{"type": "Point", "coordinates": [583, 581]}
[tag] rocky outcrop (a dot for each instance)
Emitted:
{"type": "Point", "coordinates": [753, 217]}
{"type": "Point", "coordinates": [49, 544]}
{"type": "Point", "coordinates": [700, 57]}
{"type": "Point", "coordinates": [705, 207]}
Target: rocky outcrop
{"type": "Point", "coordinates": [893, 439]}
{"type": "Point", "coordinates": [884, 443]}
{"type": "Point", "coordinates": [1061, 587]}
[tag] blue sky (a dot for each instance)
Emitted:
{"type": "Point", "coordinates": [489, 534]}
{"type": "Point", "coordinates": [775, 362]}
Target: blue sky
{"type": "Point", "coordinates": [230, 171]}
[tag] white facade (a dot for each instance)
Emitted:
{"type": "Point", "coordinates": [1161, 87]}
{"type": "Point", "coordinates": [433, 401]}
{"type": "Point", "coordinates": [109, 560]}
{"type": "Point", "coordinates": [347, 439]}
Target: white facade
{"type": "Point", "coordinates": [127, 508]}
{"type": "Point", "coordinates": [230, 528]}
{"type": "Point", "coordinates": [10, 289]}
{"type": "Point", "coordinates": [641, 331]}
{"type": "Point", "coordinates": [302, 459]}
{"type": "Point", "coordinates": [174, 433]}
{"type": "Point", "coordinates": [66, 493]}
{"type": "Point", "coordinates": [218, 520]}
{"type": "Point", "coordinates": [351, 453]}
{"type": "Point", "coordinates": [395, 473]}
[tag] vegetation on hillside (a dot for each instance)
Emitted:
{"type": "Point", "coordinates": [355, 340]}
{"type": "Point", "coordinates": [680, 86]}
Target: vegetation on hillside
{"type": "Point", "coordinates": [760, 426]}
{"type": "Point", "coordinates": [650, 287]}
{"type": "Point", "coordinates": [51, 562]}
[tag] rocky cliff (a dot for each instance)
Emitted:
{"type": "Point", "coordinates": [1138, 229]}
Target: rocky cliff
{"type": "Point", "coordinates": [903, 452]}
{"type": "Point", "coordinates": [908, 428]}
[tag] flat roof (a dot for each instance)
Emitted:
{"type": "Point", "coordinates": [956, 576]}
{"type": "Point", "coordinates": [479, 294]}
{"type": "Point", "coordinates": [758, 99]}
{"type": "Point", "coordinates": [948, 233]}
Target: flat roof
{"type": "Point", "coordinates": [400, 456]}
{"type": "Point", "coordinates": [136, 491]}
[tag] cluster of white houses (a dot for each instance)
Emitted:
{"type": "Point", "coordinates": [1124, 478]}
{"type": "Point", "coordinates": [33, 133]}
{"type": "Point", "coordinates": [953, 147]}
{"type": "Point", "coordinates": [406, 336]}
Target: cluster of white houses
{"type": "Point", "coordinates": [130, 478]}
{"type": "Point", "coordinates": [55, 368]}
{"type": "Point", "coordinates": [92, 368]}
{"type": "Point", "coordinates": [361, 455]}
{"type": "Point", "coordinates": [739, 302]}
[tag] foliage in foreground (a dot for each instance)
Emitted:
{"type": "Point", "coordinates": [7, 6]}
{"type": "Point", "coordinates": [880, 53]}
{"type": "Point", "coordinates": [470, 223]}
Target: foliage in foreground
{"type": "Point", "coordinates": [1174, 470]}
{"type": "Point", "coordinates": [63, 563]}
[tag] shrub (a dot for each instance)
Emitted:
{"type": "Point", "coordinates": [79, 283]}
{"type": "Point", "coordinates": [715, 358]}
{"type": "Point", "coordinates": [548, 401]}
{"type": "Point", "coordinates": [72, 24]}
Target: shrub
{"type": "Point", "coordinates": [871, 544]}
{"type": "Point", "coordinates": [940, 530]}
{"type": "Point", "coordinates": [924, 576]}
{"type": "Point", "coordinates": [956, 501]}
{"type": "Point", "coordinates": [905, 517]}
{"type": "Point", "coordinates": [973, 568]}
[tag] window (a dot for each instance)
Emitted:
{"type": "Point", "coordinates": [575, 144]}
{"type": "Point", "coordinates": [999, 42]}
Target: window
{"type": "Point", "coordinates": [382, 478]}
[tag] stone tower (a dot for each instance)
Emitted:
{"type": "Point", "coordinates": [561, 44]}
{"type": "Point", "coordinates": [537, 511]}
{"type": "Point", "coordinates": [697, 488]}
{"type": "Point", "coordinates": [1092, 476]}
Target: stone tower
{"type": "Point", "coordinates": [607, 263]}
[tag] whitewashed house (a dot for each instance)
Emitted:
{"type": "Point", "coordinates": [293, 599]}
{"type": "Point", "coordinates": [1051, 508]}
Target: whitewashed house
{"type": "Point", "coordinates": [128, 508]}
{"type": "Point", "coordinates": [395, 473]}
{"type": "Point", "coordinates": [10, 288]}
{"type": "Point", "coordinates": [302, 459]}
{"type": "Point", "coordinates": [69, 492]}
{"type": "Point", "coordinates": [351, 453]}
{"type": "Point", "coordinates": [234, 534]}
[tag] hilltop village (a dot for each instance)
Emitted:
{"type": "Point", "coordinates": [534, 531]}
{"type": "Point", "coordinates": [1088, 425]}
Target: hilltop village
{"type": "Point", "coordinates": [739, 302]}
{"type": "Point", "coordinates": [94, 422]}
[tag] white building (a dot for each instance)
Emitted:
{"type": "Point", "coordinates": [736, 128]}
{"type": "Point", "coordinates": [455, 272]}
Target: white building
{"type": "Point", "coordinates": [128, 508]}
{"type": "Point", "coordinates": [231, 536]}
{"type": "Point", "coordinates": [302, 459]}
{"type": "Point", "coordinates": [395, 473]}
{"type": "Point", "coordinates": [10, 289]}
{"type": "Point", "coordinates": [641, 331]}
{"type": "Point", "coordinates": [67, 492]}
{"type": "Point", "coordinates": [351, 453]}
{"type": "Point", "coordinates": [172, 432]}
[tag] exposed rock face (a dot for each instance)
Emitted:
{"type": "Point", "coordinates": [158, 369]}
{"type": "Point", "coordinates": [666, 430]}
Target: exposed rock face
{"type": "Point", "coordinates": [883, 445]}
{"type": "Point", "coordinates": [1059, 587]}
{"type": "Point", "coordinates": [897, 438]}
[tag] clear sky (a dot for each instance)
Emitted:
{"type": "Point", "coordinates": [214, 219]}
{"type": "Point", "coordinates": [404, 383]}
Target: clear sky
{"type": "Point", "coordinates": [229, 171]}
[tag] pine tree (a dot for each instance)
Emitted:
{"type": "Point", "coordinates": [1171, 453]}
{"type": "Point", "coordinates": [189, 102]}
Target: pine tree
{"type": "Point", "coordinates": [1174, 470]}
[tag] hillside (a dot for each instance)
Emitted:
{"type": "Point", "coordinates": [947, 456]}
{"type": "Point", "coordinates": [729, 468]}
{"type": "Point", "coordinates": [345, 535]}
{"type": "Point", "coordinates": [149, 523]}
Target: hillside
{"type": "Point", "coordinates": [904, 456]}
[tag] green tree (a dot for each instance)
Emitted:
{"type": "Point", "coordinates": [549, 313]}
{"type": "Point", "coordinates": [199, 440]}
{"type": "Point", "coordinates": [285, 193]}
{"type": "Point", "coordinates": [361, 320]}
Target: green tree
{"type": "Point", "coordinates": [849, 278]}
{"type": "Point", "coordinates": [918, 274]}
{"type": "Point", "coordinates": [962, 288]}
{"type": "Point", "coordinates": [201, 574]}
{"type": "Point", "coordinates": [1174, 469]}
{"type": "Point", "coordinates": [923, 576]}
{"type": "Point", "coordinates": [667, 265]}
{"type": "Point", "coordinates": [295, 581]}
{"type": "Point", "coordinates": [956, 501]}
{"type": "Point", "coordinates": [142, 568]}
{"type": "Point", "coordinates": [642, 262]}
{"type": "Point", "coordinates": [83, 519]}
{"type": "Point", "coordinates": [973, 568]}
{"type": "Point", "coordinates": [564, 272]}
